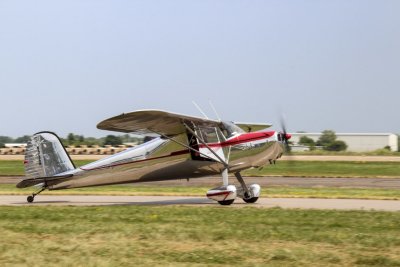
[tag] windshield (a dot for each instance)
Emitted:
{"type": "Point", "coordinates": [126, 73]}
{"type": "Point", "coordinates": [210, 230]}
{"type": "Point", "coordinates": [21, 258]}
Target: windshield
{"type": "Point", "coordinates": [231, 129]}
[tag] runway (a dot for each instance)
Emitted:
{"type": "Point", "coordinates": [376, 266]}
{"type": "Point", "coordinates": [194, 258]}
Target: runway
{"type": "Point", "coordinates": [287, 203]}
{"type": "Point", "coordinates": [384, 183]}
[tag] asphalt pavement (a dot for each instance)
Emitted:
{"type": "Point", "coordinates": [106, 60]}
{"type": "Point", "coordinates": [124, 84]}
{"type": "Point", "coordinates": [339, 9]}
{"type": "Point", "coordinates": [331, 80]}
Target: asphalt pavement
{"type": "Point", "coordinates": [384, 183]}
{"type": "Point", "coordinates": [292, 203]}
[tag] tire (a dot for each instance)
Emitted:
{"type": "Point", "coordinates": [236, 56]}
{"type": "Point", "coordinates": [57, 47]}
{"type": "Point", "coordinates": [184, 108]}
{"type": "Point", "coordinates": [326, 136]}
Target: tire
{"type": "Point", "coordinates": [29, 199]}
{"type": "Point", "coordinates": [226, 202]}
{"type": "Point", "coordinates": [250, 200]}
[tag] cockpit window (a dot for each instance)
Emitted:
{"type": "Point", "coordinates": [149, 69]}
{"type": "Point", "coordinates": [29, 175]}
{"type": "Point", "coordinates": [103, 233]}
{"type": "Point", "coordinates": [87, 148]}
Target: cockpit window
{"type": "Point", "coordinates": [231, 129]}
{"type": "Point", "coordinates": [208, 134]}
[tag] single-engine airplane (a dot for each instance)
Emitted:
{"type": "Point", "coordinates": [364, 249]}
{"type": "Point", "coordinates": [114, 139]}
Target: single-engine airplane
{"type": "Point", "coordinates": [186, 147]}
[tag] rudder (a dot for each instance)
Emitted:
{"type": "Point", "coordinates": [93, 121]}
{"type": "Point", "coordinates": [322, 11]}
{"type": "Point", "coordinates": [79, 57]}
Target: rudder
{"type": "Point", "coordinates": [45, 156]}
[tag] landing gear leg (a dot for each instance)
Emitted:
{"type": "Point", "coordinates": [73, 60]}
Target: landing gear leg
{"type": "Point", "coordinates": [247, 193]}
{"type": "Point", "coordinates": [32, 197]}
{"type": "Point", "coordinates": [250, 195]}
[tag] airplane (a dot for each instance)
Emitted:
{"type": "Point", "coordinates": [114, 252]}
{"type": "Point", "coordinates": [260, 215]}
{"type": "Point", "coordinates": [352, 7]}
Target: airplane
{"type": "Point", "coordinates": [186, 147]}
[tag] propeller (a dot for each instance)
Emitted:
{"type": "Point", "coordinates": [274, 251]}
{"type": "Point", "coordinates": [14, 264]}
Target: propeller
{"type": "Point", "coordinates": [284, 135]}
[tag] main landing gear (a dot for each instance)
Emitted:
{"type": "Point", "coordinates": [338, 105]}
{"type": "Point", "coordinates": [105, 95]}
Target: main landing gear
{"type": "Point", "coordinates": [226, 194]}
{"type": "Point", "coordinates": [250, 193]}
{"type": "Point", "coordinates": [32, 197]}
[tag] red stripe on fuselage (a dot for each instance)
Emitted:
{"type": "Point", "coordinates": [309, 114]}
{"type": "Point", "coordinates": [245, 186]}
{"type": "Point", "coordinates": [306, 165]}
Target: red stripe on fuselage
{"type": "Point", "coordinates": [243, 138]}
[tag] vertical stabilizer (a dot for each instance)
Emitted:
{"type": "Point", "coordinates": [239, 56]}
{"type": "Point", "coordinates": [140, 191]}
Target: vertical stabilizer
{"type": "Point", "coordinates": [45, 156]}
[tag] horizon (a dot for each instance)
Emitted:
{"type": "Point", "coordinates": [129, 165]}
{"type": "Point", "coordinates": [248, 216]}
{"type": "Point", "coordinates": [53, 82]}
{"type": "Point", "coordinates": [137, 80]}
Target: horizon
{"type": "Point", "coordinates": [118, 134]}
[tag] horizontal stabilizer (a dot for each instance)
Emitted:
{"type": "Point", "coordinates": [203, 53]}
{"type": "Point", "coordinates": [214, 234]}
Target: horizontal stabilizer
{"type": "Point", "coordinates": [48, 181]}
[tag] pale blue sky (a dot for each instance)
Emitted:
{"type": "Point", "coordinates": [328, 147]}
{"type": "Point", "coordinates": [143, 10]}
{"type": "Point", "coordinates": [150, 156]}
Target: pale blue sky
{"type": "Point", "coordinates": [66, 65]}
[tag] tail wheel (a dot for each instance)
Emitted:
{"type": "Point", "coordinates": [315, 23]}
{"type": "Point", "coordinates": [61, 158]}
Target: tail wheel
{"type": "Point", "coordinates": [226, 202]}
{"type": "Point", "coordinates": [250, 200]}
{"type": "Point", "coordinates": [30, 199]}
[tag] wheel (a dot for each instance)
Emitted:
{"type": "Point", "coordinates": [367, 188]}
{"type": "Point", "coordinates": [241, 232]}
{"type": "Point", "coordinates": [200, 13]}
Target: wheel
{"type": "Point", "coordinates": [226, 202]}
{"type": "Point", "coordinates": [250, 200]}
{"type": "Point", "coordinates": [30, 199]}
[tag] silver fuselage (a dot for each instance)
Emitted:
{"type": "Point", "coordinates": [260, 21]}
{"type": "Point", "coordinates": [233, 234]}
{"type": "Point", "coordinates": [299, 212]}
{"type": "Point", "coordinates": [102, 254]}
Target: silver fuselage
{"type": "Point", "coordinates": [163, 159]}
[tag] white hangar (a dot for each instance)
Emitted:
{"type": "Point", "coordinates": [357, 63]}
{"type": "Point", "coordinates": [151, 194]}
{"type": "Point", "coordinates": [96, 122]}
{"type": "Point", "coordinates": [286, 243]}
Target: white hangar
{"type": "Point", "coordinates": [358, 142]}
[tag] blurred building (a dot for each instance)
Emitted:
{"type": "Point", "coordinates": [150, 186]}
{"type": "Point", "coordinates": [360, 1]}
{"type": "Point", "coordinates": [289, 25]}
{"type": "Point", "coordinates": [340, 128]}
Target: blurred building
{"type": "Point", "coordinates": [358, 142]}
{"type": "Point", "coordinates": [15, 145]}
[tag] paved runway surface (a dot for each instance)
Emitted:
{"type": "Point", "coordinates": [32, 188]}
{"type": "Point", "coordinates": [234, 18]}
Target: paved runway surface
{"type": "Point", "coordinates": [386, 183]}
{"type": "Point", "coordinates": [301, 203]}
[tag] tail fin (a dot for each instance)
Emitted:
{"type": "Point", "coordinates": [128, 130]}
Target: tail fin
{"type": "Point", "coordinates": [45, 156]}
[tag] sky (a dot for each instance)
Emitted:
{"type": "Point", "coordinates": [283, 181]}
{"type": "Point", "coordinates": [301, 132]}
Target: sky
{"type": "Point", "coordinates": [67, 65]}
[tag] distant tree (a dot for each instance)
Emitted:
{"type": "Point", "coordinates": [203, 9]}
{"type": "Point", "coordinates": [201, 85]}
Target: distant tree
{"type": "Point", "coordinates": [336, 145]}
{"type": "Point", "coordinates": [22, 139]}
{"type": "Point", "coordinates": [328, 141]}
{"type": "Point", "coordinates": [112, 140]}
{"type": "Point", "coordinates": [1, 145]}
{"type": "Point", "coordinates": [71, 138]}
{"type": "Point", "coordinates": [306, 141]}
{"type": "Point", "coordinates": [92, 141]}
{"type": "Point", "coordinates": [6, 139]}
{"type": "Point", "coordinates": [327, 138]}
{"type": "Point", "coordinates": [81, 138]}
{"type": "Point", "coordinates": [126, 138]}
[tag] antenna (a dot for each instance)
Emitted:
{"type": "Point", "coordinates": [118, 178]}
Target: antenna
{"type": "Point", "coordinates": [197, 106]}
{"type": "Point", "coordinates": [215, 111]}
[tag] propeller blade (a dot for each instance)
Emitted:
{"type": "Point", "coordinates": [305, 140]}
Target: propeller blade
{"type": "Point", "coordinates": [285, 136]}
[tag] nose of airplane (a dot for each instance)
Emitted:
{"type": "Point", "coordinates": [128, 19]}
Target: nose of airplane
{"type": "Point", "coordinates": [288, 136]}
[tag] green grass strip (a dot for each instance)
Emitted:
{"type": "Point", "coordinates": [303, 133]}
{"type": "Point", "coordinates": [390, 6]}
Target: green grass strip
{"type": "Point", "coordinates": [196, 236]}
{"type": "Point", "coordinates": [282, 168]}
{"type": "Point", "coordinates": [329, 169]}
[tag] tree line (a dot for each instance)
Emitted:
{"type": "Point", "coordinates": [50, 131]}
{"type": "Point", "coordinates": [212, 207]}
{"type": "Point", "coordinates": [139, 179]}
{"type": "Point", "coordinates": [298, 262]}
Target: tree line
{"type": "Point", "coordinates": [328, 141]}
{"type": "Point", "coordinates": [80, 140]}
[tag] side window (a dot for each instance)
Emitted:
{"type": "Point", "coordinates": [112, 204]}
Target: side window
{"type": "Point", "coordinates": [209, 134]}
{"type": "Point", "coordinates": [231, 129]}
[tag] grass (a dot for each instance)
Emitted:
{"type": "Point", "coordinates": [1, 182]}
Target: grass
{"type": "Point", "coordinates": [11, 167]}
{"type": "Point", "coordinates": [16, 167]}
{"type": "Point", "coordinates": [200, 236]}
{"type": "Point", "coordinates": [275, 192]}
{"type": "Point", "coordinates": [319, 152]}
{"type": "Point", "coordinates": [282, 168]}
{"type": "Point", "coordinates": [329, 169]}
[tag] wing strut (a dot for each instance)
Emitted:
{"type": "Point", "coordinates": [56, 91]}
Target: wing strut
{"type": "Point", "coordinates": [205, 144]}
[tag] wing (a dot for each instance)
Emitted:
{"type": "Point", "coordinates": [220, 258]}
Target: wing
{"type": "Point", "coordinates": [153, 121]}
{"type": "Point", "coordinates": [252, 127]}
